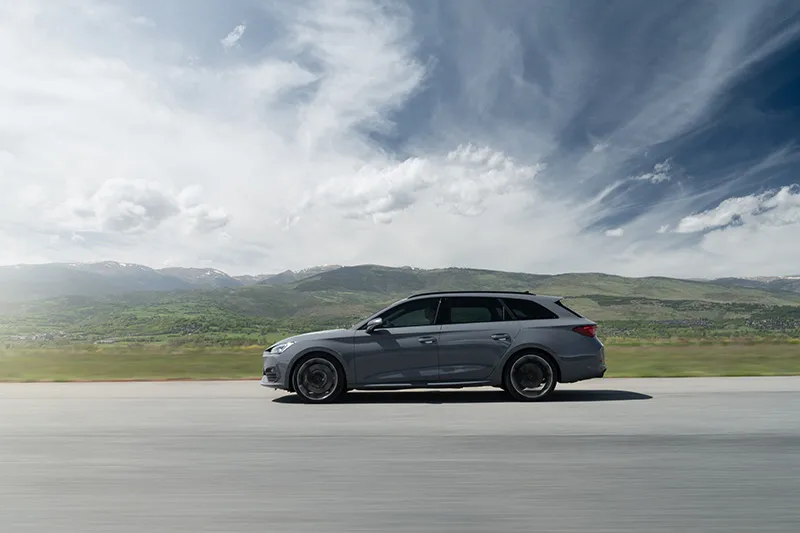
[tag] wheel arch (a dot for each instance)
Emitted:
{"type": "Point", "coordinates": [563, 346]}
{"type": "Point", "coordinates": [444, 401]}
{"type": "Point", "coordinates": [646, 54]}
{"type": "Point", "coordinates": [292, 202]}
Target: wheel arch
{"type": "Point", "coordinates": [294, 363]}
{"type": "Point", "coordinates": [533, 349]}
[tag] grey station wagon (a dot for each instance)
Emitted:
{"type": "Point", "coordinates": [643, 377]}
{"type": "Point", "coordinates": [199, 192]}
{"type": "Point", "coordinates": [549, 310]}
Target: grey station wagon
{"type": "Point", "coordinates": [518, 341]}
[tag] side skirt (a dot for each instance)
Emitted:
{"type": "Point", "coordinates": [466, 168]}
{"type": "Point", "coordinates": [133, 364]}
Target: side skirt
{"type": "Point", "coordinates": [421, 385]}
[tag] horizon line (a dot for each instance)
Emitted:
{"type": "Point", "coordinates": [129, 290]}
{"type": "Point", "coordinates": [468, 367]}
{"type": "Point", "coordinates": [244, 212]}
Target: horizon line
{"type": "Point", "coordinates": [336, 266]}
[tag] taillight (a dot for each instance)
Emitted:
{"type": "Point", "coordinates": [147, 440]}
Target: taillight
{"type": "Point", "coordinates": [587, 331]}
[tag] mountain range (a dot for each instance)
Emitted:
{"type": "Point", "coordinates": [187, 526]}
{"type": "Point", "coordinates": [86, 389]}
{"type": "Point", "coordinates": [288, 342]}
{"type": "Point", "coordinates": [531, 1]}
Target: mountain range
{"type": "Point", "coordinates": [20, 283]}
{"type": "Point", "coordinates": [85, 302]}
{"type": "Point", "coordinates": [25, 283]}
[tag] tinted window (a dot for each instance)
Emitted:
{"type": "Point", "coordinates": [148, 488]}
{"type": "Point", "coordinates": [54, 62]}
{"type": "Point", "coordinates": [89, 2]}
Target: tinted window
{"type": "Point", "coordinates": [468, 310]}
{"type": "Point", "coordinates": [528, 310]}
{"type": "Point", "coordinates": [414, 313]}
{"type": "Point", "coordinates": [564, 306]}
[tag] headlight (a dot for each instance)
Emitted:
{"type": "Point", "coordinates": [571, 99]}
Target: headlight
{"type": "Point", "coordinates": [280, 348]}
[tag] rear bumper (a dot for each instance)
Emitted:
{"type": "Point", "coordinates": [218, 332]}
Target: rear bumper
{"type": "Point", "coordinates": [584, 366]}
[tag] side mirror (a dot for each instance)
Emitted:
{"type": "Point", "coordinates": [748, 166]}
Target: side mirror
{"type": "Point", "coordinates": [373, 324]}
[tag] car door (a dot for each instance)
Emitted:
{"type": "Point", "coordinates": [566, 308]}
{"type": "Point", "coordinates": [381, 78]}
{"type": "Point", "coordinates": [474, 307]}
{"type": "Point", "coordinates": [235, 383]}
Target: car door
{"type": "Point", "coordinates": [402, 352]}
{"type": "Point", "coordinates": [476, 333]}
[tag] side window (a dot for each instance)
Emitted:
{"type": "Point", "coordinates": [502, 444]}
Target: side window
{"type": "Point", "coordinates": [420, 312]}
{"type": "Point", "coordinates": [528, 310]}
{"type": "Point", "coordinates": [470, 310]}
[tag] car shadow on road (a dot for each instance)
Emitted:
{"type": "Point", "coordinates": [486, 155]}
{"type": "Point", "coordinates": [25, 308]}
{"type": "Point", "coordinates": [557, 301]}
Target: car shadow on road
{"type": "Point", "coordinates": [442, 397]}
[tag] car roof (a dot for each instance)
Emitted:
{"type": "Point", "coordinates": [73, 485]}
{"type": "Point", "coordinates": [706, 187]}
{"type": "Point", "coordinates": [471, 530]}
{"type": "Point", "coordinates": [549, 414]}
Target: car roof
{"type": "Point", "coordinates": [498, 293]}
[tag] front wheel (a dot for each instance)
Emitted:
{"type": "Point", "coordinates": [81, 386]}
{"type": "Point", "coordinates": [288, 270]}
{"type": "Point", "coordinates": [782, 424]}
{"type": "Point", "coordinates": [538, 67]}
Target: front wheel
{"type": "Point", "coordinates": [319, 379]}
{"type": "Point", "coordinates": [529, 377]}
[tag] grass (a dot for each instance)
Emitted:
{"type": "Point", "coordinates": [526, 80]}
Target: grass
{"type": "Point", "coordinates": [155, 362]}
{"type": "Point", "coordinates": [704, 359]}
{"type": "Point", "coordinates": [124, 363]}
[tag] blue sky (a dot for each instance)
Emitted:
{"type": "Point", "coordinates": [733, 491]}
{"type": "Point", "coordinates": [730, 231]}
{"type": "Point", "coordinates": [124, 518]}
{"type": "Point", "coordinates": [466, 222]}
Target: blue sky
{"type": "Point", "coordinates": [629, 137]}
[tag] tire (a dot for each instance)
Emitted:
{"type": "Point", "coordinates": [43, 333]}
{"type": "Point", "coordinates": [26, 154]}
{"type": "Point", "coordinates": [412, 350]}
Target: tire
{"type": "Point", "coordinates": [526, 370]}
{"type": "Point", "coordinates": [318, 378]}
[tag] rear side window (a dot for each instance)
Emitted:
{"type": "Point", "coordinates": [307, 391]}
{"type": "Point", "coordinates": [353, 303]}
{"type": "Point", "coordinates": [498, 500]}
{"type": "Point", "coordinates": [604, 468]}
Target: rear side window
{"type": "Point", "coordinates": [471, 310]}
{"type": "Point", "coordinates": [528, 310]}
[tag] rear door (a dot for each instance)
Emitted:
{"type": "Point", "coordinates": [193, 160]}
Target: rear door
{"type": "Point", "coordinates": [476, 333]}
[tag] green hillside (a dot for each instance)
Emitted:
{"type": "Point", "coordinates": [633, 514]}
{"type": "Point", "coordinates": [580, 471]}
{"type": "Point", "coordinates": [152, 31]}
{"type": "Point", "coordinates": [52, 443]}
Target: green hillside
{"type": "Point", "coordinates": [626, 307]}
{"type": "Point", "coordinates": [380, 279]}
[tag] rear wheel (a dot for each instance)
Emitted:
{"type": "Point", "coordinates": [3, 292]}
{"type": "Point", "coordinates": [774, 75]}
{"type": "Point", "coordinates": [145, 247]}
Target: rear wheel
{"type": "Point", "coordinates": [318, 379]}
{"type": "Point", "coordinates": [530, 377]}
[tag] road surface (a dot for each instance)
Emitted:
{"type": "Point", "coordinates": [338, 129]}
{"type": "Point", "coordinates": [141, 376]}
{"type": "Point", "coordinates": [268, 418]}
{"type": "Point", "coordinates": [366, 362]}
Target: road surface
{"type": "Point", "coordinates": [608, 455]}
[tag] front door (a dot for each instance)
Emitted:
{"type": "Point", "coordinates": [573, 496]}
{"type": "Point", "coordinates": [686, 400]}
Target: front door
{"type": "Point", "coordinates": [476, 333]}
{"type": "Point", "coordinates": [402, 352]}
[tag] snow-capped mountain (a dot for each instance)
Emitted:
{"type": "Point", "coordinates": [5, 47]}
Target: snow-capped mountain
{"type": "Point", "coordinates": [290, 276]}
{"type": "Point", "coordinates": [31, 282]}
{"type": "Point", "coordinates": [203, 277]}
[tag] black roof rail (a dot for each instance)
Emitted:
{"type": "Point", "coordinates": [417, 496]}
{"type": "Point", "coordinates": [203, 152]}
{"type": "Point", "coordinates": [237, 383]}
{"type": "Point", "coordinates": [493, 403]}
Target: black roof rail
{"type": "Point", "coordinates": [529, 293]}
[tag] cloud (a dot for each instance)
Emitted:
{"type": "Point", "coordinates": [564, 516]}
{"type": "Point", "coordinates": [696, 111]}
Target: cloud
{"type": "Point", "coordinates": [773, 208]}
{"type": "Point", "coordinates": [137, 206]}
{"type": "Point", "coordinates": [367, 56]}
{"type": "Point", "coordinates": [353, 131]}
{"type": "Point", "coordinates": [660, 173]}
{"type": "Point", "coordinates": [459, 181]}
{"type": "Point", "coordinates": [233, 37]}
{"type": "Point", "coordinates": [205, 219]}
{"type": "Point", "coordinates": [124, 206]}
{"type": "Point", "coordinates": [199, 140]}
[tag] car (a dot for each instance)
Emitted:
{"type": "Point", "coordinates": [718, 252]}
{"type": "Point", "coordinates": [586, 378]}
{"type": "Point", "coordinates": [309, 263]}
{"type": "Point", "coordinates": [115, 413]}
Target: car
{"type": "Point", "coordinates": [520, 342]}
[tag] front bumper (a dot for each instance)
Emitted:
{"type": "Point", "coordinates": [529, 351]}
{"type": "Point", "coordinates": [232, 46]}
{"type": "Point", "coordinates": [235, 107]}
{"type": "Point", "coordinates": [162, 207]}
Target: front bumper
{"type": "Point", "coordinates": [265, 382]}
{"type": "Point", "coordinates": [272, 373]}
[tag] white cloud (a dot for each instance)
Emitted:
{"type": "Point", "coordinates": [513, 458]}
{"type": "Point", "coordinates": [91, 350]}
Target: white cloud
{"type": "Point", "coordinates": [616, 232]}
{"type": "Point", "coordinates": [752, 235]}
{"type": "Point", "coordinates": [660, 173]}
{"type": "Point", "coordinates": [460, 182]}
{"type": "Point", "coordinates": [233, 37]}
{"type": "Point", "coordinates": [205, 219]}
{"type": "Point", "coordinates": [123, 138]}
{"type": "Point", "coordinates": [122, 206]}
{"type": "Point", "coordinates": [367, 54]}
{"type": "Point", "coordinates": [137, 140]}
{"type": "Point", "coordinates": [772, 208]}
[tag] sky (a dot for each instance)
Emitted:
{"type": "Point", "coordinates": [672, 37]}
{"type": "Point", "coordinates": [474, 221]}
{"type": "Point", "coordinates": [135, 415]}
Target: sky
{"type": "Point", "coordinates": [253, 136]}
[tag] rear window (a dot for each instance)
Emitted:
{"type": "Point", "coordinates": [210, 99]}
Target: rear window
{"type": "Point", "coordinates": [564, 306]}
{"type": "Point", "coordinates": [528, 310]}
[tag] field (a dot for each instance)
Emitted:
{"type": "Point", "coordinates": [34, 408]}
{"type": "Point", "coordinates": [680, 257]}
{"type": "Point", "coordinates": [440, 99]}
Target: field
{"type": "Point", "coordinates": [629, 358]}
{"type": "Point", "coordinates": [651, 326]}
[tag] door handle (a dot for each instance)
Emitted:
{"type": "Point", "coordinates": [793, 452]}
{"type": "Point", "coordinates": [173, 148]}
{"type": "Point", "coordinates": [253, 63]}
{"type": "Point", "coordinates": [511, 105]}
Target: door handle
{"type": "Point", "coordinates": [426, 340]}
{"type": "Point", "coordinates": [500, 337]}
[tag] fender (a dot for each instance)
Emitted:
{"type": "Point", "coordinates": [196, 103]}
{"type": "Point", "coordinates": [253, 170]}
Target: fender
{"type": "Point", "coordinates": [349, 371]}
{"type": "Point", "coordinates": [496, 376]}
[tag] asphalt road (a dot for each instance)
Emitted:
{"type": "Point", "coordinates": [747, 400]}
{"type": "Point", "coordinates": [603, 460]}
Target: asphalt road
{"type": "Point", "coordinates": [603, 456]}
